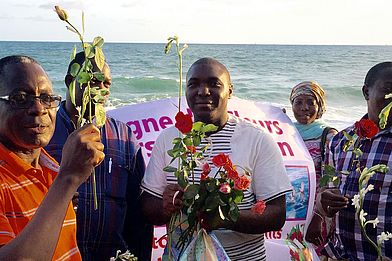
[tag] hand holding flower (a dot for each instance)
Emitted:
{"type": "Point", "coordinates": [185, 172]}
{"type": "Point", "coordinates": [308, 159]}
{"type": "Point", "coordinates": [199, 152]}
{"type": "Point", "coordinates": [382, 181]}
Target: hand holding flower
{"type": "Point", "coordinates": [172, 199]}
{"type": "Point", "coordinates": [332, 201]}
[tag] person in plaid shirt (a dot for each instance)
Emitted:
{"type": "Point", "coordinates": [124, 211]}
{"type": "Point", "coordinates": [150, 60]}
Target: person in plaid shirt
{"type": "Point", "coordinates": [118, 223]}
{"type": "Point", "coordinates": [348, 241]}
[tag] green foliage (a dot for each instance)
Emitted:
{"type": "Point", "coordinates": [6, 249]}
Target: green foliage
{"type": "Point", "coordinates": [384, 114]}
{"type": "Point", "coordinates": [83, 75]}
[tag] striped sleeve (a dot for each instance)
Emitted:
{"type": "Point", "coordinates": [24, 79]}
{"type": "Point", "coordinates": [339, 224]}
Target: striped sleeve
{"type": "Point", "coordinates": [6, 232]}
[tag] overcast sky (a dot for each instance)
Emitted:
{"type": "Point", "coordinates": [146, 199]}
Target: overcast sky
{"type": "Point", "coordinates": [204, 21]}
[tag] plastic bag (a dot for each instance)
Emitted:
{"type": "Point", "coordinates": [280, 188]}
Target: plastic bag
{"type": "Point", "coordinates": [204, 247]}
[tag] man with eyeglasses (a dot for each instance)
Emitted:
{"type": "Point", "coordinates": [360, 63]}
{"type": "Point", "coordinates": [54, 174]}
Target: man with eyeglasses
{"type": "Point", "coordinates": [37, 221]}
{"type": "Point", "coordinates": [118, 223]}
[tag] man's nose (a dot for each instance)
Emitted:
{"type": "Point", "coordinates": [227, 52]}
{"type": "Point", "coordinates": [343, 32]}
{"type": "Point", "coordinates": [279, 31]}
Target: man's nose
{"type": "Point", "coordinates": [37, 107]}
{"type": "Point", "coordinates": [204, 89]}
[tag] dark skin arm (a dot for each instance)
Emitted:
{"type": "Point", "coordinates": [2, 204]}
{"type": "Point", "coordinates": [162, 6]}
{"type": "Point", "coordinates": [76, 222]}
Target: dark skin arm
{"type": "Point", "coordinates": [159, 210]}
{"type": "Point", "coordinates": [248, 222]}
{"type": "Point", "coordinates": [271, 219]}
{"type": "Point", "coordinates": [38, 240]}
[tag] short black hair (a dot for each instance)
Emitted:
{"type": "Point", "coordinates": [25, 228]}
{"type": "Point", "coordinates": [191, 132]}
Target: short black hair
{"type": "Point", "coordinates": [79, 59]}
{"type": "Point", "coordinates": [13, 59]}
{"type": "Point", "coordinates": [375, 72]}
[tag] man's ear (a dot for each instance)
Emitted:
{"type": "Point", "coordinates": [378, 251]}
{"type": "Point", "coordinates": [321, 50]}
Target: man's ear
{"type": "Point", "coordinates": [365, 91]}
{"type": "Point", "coordinates": [231, 86]}
{"type": "Point", "coordinates": [68, 79]}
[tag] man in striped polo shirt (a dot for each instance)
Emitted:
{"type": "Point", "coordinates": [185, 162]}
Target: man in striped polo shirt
{"type": "Point", "coordinates": [37, 221]}
{"type": "Point", "coordinates": [208, 90]}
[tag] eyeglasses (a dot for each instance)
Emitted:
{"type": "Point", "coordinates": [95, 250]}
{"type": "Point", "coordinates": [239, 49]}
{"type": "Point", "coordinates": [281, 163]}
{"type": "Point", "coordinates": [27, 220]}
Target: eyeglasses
{"type": "Point", "coordinates": [25, 101]}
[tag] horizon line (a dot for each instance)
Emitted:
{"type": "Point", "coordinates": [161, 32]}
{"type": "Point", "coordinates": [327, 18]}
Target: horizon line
{"type": "Point", "coordinates": [281, 44]}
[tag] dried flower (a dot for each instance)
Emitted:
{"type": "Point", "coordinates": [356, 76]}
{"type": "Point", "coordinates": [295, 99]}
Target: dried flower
{"type": "Point", "coordinates": [61, 13]}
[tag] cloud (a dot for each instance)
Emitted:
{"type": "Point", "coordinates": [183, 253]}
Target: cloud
{"type": "Point", "coordinates": [79, 5]}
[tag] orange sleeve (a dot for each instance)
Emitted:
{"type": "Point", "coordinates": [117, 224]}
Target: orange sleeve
{"type": "Point", "coordinates": [6, 231]}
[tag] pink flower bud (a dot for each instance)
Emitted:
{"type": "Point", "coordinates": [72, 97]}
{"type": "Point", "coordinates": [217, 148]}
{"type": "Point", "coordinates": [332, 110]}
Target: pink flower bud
{"type": "Point", "coordinates": [225, 188]}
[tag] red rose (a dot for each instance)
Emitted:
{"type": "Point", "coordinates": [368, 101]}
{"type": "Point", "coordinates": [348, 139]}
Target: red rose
{"type": "Point", "coordinates": [297, 235]}
{"type": "Point", "coordinates": [221, 160]}
{"type": "Point", "coordinates": [241, 183]}
{"type": "Point", "coordinates": [294, 255]}
{"type": "Point", "coordinates": [231, 172]}
{"type": "Point", "coordinates": [192, 149]}
{"type": "Point", "coordinates": [365, 128]}
{"type": "Point", "coordinates": [183, 122]}
{"type": "Point", "coordinates": [205, 171]}
{"type": "Point", "coordinates": [259, 207]}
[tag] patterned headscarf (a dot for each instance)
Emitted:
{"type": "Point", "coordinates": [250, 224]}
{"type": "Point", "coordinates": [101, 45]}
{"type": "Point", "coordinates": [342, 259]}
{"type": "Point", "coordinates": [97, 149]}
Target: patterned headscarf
{"type": "Point", "coordinates": [310, 88]}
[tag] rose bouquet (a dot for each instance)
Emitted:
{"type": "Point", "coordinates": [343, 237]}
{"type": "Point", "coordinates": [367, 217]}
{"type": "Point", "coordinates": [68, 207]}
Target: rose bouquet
{"type": "Point", "coordinates": [209, 197]}
{"type": "Point", "coordinates": [299, 250]}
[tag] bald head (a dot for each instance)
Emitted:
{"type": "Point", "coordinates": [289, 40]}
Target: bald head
{"type": "Point", "coordinates": [207, 61]}
{"type": "Point", "coordinates": [10, 60]}
{"type": "Point", "coordinates": [208, 89]}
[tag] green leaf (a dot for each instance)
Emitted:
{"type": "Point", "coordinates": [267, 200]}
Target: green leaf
{"type": "Point", "coordinates": [69, 28]}
{"type": "Point", "coordinates": [89, 51]}
{"type": "Point", "coordinates": [73, 53]}
{"type": "Point", "coordinates": [82, 23]}
{"type": "Point", "coordinates": [212, 202]}
{"type": "Point", "coordinates": [209, 128]}
{"type": "Point", "coordinates": [75, 67]}
{"type": "Point", "coordinates": [384, 114]}
{"type": "Point", "coordinates": [85, 101]}
{"type": "Point", "coordinates": [83, 77]}
{"type": "Point", "coordinates": [98, 41]}
{"type": "Point", "coordinates": [168, 45]}
{"type": "Point", "coordinates": [182, 178]}
{"type": "Point", "coordinates": [329, 170]}
{"type": "Point", "coordinates": [187, 141]}
{"type": "Point", "coordinates": [72, 94]}
{"type": "Point", "coordinates": [336, 181]}
{"type": "Point", "coordinates": [99, 58]}
{"type": "Point", "coordinates": [348, 136]}
{"type": "Point", "coordinates": [324, 180]}
{"type": "Point", "coordinates": [99, 76]}
{"type": "Point", "coordinates": [100, 115]}
{"type": "Point", "coordinates": [211, 185]}
{"type": "Point", "coordinates": [191, 191]}
{"type": "Point", "coordinates": [234, 213]}
{"type": "Point", "coordinates": [237, 195]}
{"type": "Point", "coordinates": [169, 169]}
{"type": "Point", "coordinates": [196, 140]}
{"type": "Point", "coordinates": [197, 126]}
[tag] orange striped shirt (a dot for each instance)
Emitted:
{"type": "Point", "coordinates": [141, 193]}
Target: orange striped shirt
{"type": "Point", "coordinates": [22, 189]}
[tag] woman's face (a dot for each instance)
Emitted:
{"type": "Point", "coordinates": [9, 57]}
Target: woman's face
{"type": "Point", "coordinates": [305, 109]}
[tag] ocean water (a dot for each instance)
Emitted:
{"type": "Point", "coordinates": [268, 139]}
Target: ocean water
{"type": "Point", "coordinates": [142, 72]}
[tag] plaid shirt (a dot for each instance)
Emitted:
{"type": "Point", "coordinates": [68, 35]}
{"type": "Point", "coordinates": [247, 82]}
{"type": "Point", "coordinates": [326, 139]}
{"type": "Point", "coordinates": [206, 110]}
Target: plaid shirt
{"type": "Point", "coordinates": [117, 224]}
{"type": "Point", "coordinates": [348, 241]}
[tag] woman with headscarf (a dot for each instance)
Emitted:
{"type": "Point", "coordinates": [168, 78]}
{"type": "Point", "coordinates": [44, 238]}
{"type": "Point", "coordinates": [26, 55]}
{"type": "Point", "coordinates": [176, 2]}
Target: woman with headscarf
{"type": "Point", "coordinates": [308, 105]}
